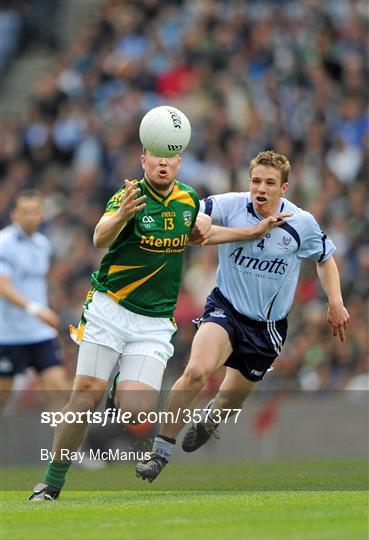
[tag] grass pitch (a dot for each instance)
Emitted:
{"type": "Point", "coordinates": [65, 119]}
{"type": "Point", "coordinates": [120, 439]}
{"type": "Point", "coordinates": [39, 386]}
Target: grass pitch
{"type": "Point", "coordinates": [274, 501]}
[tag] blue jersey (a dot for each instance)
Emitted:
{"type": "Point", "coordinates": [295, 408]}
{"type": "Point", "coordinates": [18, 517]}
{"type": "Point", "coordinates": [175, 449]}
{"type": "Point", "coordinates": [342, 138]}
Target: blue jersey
{"type": "Point", "coordinates": [26, 260]}
{"type": "Point", "coordinates": [259, 277]}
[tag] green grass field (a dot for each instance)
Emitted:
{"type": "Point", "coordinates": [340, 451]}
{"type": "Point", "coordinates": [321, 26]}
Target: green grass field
{"type": "Point", "coordinates": [255, 501]}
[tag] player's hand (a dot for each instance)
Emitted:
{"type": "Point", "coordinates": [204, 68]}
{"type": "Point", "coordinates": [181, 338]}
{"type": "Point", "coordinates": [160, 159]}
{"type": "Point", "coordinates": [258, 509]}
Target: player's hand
{"type": "Point", "coordinates": [49, 317]}
{"type": "Point", "coordinates": [132, 203]}
{"type": "Point", "coordinates": [270, 223]}
{"type": "Point", "coordinates": [338, 317]}
{"type": "Point", "coordinates": [201, 230]}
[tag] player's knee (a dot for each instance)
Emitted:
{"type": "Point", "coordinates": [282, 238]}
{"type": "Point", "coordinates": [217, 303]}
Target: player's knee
{"type": "Point", "coordinates": [136, 410]}
{"type": "Point", "coordinates": [196, 375]}
{"type": "Point", "coordinates": [136, 398]}
{"type": "Point", "coordinates": [87, 394]}
{"type": "Point", "coordinates": [136, 414]}
{"type": "Point", "coordinates": [136, 417]}
{"type": "Point", "coordinates": [83, 401]}
{"type": "Point", "coordinates": [85, 383]}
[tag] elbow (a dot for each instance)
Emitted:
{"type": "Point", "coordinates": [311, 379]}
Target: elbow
{"type": "Point", "coordinates": [100, 245]}
{"type": "Point", "coordinates": [98, 238]}
{"type": "Point", "coordinates": [98, 241]}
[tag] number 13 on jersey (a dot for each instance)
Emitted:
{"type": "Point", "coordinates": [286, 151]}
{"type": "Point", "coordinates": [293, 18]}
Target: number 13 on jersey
{"type": "Point", "coordinates": [168, 224]}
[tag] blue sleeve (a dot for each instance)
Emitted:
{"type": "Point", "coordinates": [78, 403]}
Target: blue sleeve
{"type": "Point", "coordinates": [210, 207]}
{"type": "Point", "coordinates": [315, 243]}
{"type": "Point", "coordinates": [221, 207]}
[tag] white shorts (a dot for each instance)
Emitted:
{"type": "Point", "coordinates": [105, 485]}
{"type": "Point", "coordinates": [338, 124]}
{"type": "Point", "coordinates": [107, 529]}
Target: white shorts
{"type": "Point", "coordinates": [129, 335]}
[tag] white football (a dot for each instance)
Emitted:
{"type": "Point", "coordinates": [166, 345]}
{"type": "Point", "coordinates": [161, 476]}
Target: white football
{"type": "Point", "coordinates": [165, 131]}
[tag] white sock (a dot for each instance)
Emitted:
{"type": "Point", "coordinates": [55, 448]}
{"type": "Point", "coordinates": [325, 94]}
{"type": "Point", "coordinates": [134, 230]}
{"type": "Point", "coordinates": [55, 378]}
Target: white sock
{"type": "Point", "coordinates": [162, 447]}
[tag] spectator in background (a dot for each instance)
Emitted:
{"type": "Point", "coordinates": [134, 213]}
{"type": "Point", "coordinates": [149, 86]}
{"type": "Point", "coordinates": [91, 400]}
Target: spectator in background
{"type": "Point", "coordinates": [28, 325]}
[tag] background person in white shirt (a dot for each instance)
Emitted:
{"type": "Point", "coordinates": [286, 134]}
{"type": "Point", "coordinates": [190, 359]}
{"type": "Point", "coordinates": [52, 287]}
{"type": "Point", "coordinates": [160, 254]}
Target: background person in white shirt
{"type": "Point", "coordinates": [28, 335]}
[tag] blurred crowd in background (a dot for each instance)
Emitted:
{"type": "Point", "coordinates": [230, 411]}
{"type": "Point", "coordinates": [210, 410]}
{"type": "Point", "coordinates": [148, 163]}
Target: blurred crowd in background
{"type": "Point", "coordinates": [26, 23]}
{"type": "Point", "coordinates": [251, 75]}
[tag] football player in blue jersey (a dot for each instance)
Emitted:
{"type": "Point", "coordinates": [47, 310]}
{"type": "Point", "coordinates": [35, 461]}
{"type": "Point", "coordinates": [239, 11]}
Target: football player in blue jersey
{"type": "Point", "coordinates": [28, 335]}
{"type": "Point", "coordinates": [244, 325]}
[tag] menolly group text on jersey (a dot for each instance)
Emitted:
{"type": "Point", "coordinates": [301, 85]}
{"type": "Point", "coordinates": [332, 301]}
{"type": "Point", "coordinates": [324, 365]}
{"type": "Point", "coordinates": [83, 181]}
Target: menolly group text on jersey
{"type": "Point", "coordinates": [260, 277]}
{"type": "Point", "coordinates": [142, 269]}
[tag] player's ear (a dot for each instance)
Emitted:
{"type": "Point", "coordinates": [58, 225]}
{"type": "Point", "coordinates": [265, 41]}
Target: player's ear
{"type": "Point", "coordinates": [284, 187]}
{"type": "Point", "coordinates": [143, 161]}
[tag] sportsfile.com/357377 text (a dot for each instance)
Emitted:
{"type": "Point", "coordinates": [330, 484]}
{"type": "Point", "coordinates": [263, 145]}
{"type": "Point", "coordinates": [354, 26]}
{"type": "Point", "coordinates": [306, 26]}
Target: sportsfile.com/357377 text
{"type": "Point", "coordinates": [110, 416]}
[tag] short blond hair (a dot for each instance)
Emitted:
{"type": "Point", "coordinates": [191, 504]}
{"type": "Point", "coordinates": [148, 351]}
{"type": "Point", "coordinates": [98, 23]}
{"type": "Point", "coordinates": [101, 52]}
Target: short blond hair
{"type": "Point", "coordinates": [272, 159]}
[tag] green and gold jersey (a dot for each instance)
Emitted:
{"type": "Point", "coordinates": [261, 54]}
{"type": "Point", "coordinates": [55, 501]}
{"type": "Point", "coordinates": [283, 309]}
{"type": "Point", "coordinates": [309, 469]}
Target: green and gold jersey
{"type": "Point", "coordinates": [142, 269]}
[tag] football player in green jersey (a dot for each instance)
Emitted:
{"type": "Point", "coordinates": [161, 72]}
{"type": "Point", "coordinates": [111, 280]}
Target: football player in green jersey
{"type": "Point", "coordinates": [128, 314]}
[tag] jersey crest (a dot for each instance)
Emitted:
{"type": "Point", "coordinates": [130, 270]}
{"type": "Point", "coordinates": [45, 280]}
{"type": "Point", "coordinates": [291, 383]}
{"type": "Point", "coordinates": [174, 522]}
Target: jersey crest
{"type": "Point", "coordinates": [286, 244]}
{"type": "Point", "coordinates": [187, 218]}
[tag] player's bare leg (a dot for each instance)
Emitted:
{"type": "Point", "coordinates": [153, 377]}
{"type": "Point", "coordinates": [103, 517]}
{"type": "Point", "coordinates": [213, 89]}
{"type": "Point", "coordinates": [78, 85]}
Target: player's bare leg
{"type": "Point", "coordinates": [86, 396]}
{"type": "Point", "coordinates": [210, 349]}
{"type": "Point", "coordinates": [137, 386]}
{"type": "Point", "coordinates": [95, 363]}
{"type": "Point", "coordinates": [233, 391]}
{"type": "Point", "coordinates": [136, 397]}
{"type": "Point", "coordinates": [54, 384]}
{"type": "Point", "coordinates": [230, 398]}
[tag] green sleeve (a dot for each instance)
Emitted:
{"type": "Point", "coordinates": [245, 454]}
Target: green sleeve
{"type": "Point", "coordinates": [115, 202]}
{"type": "Point", "coordinates": [197, 207]}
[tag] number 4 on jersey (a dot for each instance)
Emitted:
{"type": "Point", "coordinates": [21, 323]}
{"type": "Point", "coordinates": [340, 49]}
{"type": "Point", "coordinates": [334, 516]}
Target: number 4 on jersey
{"type": "Point", "coordinates": [261, 244]}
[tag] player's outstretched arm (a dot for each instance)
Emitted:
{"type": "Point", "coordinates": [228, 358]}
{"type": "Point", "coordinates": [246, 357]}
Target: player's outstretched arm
{"type": "Point", "coordinates": [109, 227]}
{"type": "Point", "coordinates": [201, 230]}
{"type": "Point", "coordinates": [45, 314]}
{"type": "Point", "coordinates": [223, 235]}
{"type": "Point", "coordinates": [337, 314]}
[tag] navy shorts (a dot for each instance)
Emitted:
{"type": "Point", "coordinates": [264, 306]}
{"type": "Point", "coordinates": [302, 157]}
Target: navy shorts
{"type": "Point", "coordinates": [15, 359]}
{"type": "Point", "coordinates": [256, 344]}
